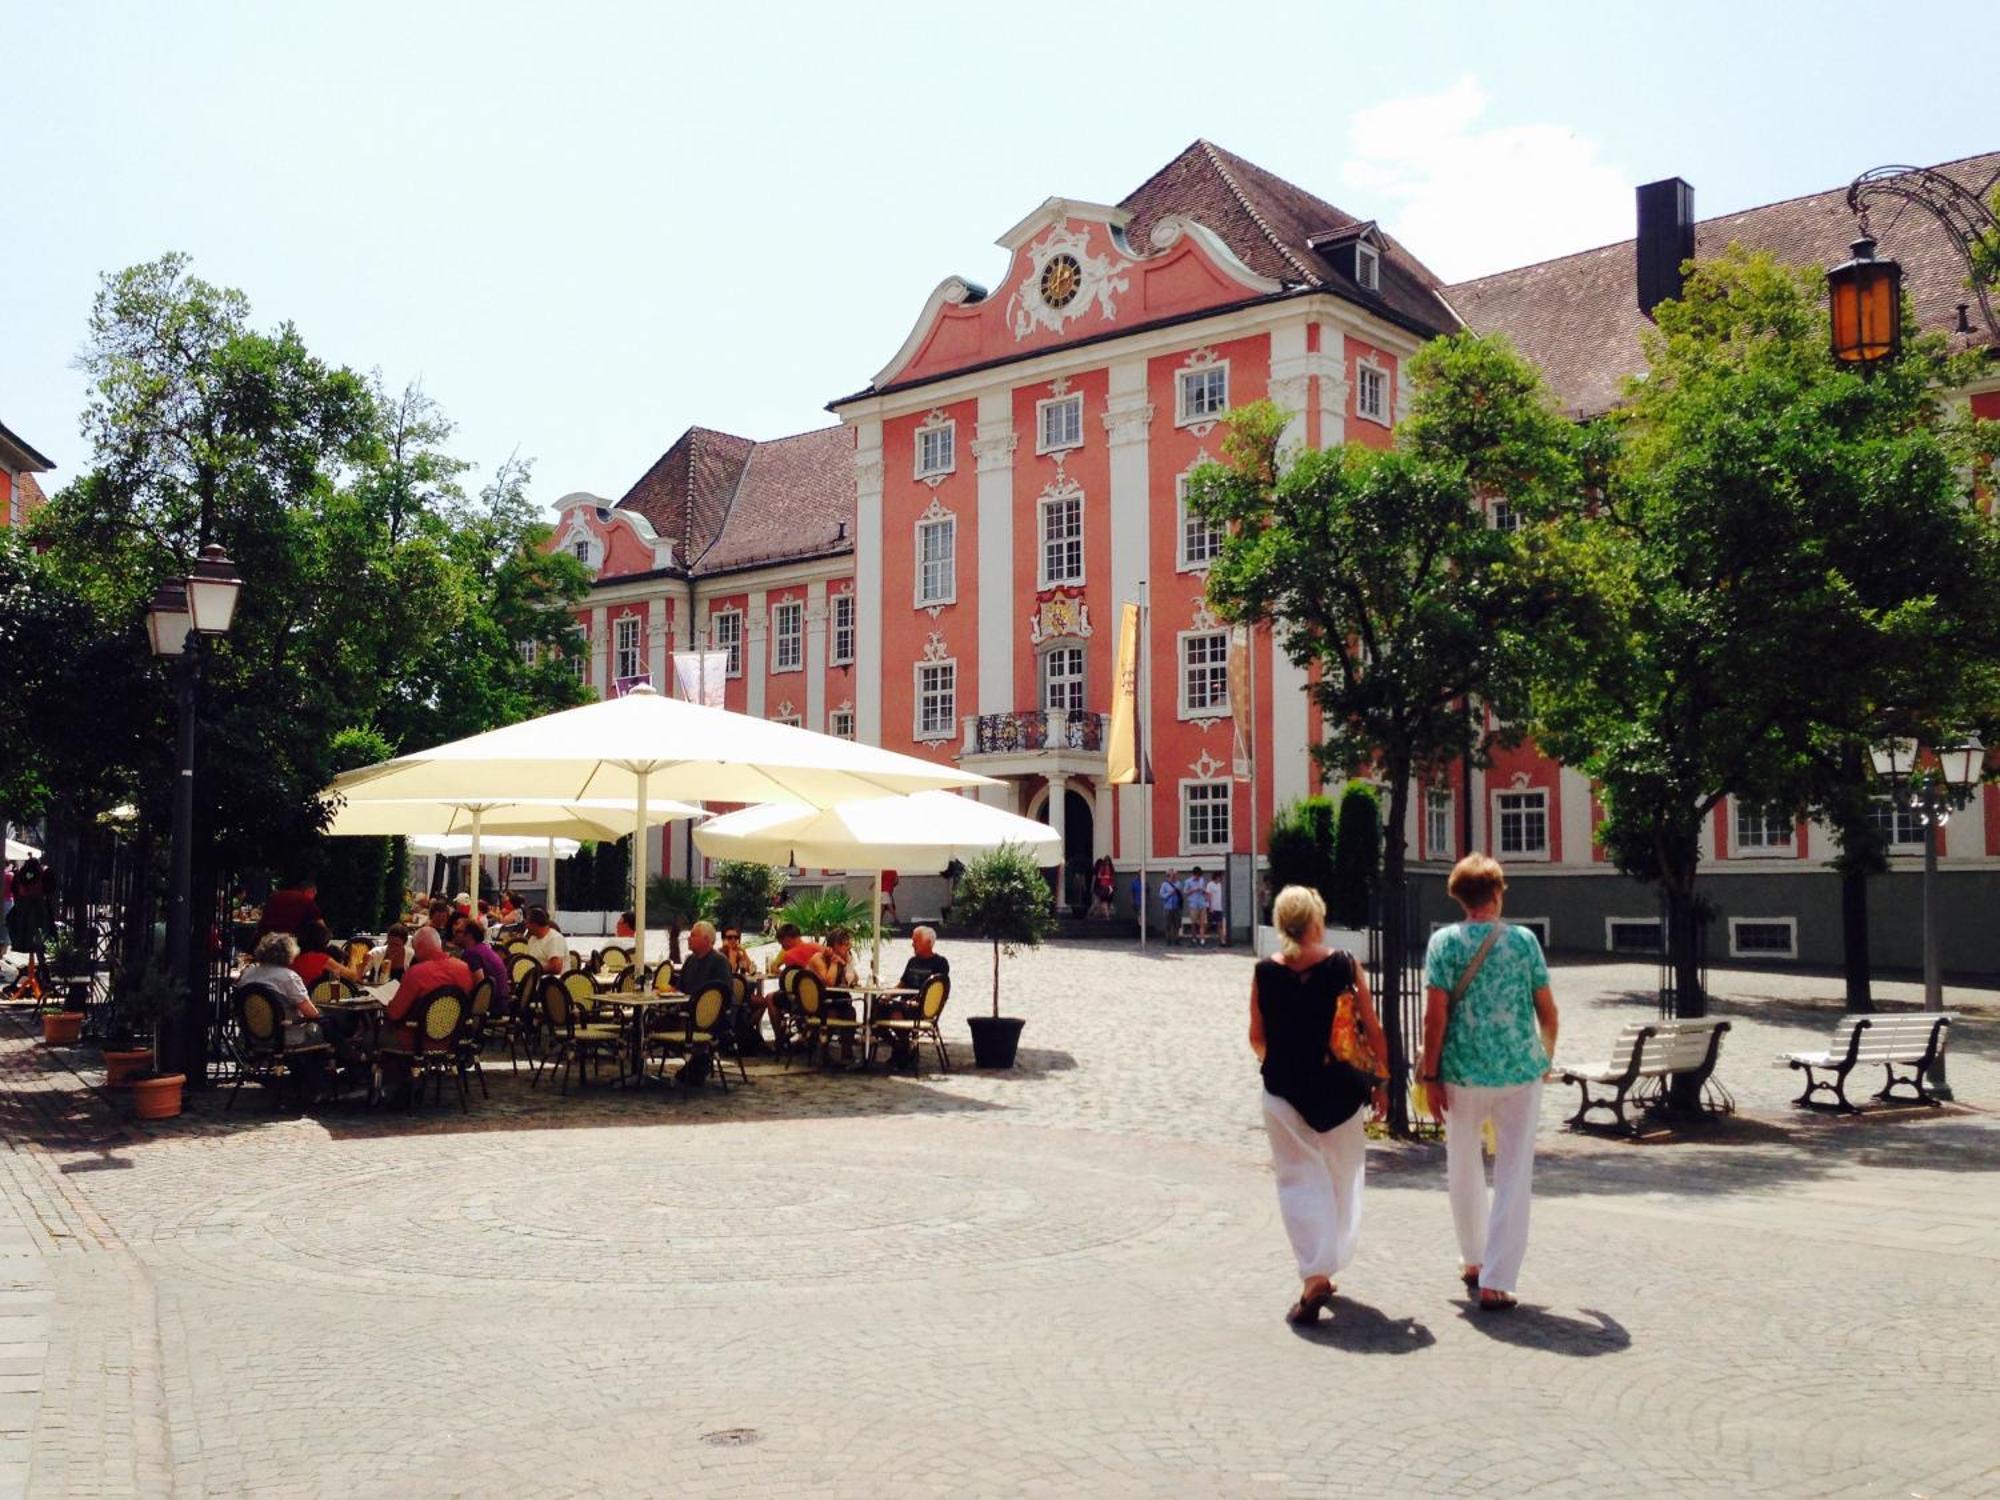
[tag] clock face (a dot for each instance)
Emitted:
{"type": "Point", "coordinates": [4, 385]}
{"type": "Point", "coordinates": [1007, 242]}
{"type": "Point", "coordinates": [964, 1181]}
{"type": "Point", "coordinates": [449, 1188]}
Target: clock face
{"type": "Point", "coordinates": [1061, 279]}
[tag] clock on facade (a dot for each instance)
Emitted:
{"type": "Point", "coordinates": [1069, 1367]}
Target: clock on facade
{"type": "Point", "coordinates": [1062, 278]}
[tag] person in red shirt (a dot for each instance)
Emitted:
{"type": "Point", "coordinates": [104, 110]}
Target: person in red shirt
{"type": "Point", "coordinates": [290, 908]}
{"type": "Point", "coordinates": [431, 970]}
{"type": "Point", "coordinates": [316, 960]}
{"type": "Point", "coordinates": [794, 951]}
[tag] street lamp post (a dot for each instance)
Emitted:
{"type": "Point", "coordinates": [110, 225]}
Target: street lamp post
{"type": "Point", "coordinates": [183, 610]}
{"type": "Point", "coordinates": [1931, 793]}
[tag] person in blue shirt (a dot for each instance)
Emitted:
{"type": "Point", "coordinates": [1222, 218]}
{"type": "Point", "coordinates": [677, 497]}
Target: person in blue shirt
{"type": "Point", "coordinates": [1170, 907]}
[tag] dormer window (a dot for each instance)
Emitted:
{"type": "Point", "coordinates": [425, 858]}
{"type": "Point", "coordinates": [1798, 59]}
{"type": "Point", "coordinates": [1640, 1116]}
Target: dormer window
{"type": "Point", "coordinates": [1367, 266]}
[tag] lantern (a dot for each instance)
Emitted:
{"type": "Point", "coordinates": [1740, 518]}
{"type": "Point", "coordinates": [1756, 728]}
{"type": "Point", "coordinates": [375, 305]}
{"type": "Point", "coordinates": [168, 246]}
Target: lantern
{"type": "Point", "coordinates": [212, 589]}
{"type": "Point", "coordinates": [167, 617]}
{"type": "Point", "coordinates": [1867, 297]}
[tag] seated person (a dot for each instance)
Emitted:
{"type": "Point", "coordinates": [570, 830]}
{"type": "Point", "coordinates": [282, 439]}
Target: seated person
{"type": "Point", "coordinates": [439, 915]}
{"type": "Point", "coordinates": [271, 967]}
{"type": "Point", "coordinates": [432, 970]}
{"type": "Point", "coordinates": [756, 1004]}
{"type": "Point", "coordinates": [627, 925]}
{"type": "Point", "coordinates": [391, 958]}
{"type": "Point", "coordinates": [704, 966]}
{"type": "Point", "coordinates": [315, 960]}
{"type": "Point", "coordinates": [740, 961]}
{"type": "Point", "coordinates": [835, 962]}
{"type": "Point", "coordinates": [924, 962]}
{"type": "Point", "coordinates": [794, 951]}
{"type": "Point", "coordinates": [546, 945]}
{"type": "Point", "coordinates": [483, 959]}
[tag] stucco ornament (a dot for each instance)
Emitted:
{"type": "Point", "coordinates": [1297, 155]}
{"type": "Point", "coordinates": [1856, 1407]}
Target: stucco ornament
{"type": "Point", "coordinates": [1208, 768]}
{"type": "Point", "coordinates": [1059, 615]}
{"type": "Point", "coordinates": [1095, 280]}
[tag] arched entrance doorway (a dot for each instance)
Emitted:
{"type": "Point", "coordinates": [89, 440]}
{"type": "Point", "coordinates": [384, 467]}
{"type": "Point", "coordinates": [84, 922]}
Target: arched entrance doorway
{"type": "Point", "coordinates": [1079, 845]}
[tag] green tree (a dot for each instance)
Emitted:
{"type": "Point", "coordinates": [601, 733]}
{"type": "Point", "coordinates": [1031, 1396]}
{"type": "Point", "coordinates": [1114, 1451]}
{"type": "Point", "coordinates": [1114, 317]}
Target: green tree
{"type": "Point", "coordinates": [1786, 569]}
{"type": "Point", "coordinates": [1381, 569]}
{"type": "Point", "coordinates": [1301, 847]}
{"type": "Point", "coordinates": [1357, 858]}
{"type": "Point", "coordinates": [745, 893]}
{"type": "Point", "coordinates": [1003, 898]}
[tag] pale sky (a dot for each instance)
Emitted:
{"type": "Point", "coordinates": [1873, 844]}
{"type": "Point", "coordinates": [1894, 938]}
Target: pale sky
{"type": "Point", "coordinates": [584, 227]}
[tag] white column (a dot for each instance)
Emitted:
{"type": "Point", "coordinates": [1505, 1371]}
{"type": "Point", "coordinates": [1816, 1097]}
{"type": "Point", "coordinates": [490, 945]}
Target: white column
{"type": "Point", "coordinates": [993, 448]}
{"type": "Point", "coordinates": [1289, 386]}
{"type": "Point", "coordinates": [868, 582]}
{"type": "Point", "coordinates": [1055, 822]}
{"type": "Point", "coordinates": [1331, 368]}
{"type": "Point", "coordinates": [1127, 416]}
{"type": "Point", "coordinates": [1573, 787]}
{"type": "Point", "coordinates": [1101, 816]}
{"type": "Point", "coordinates": [756, 651]}
{"type": "Point", "coordinates": [816, 653]}
{"type": "Point", "coordinates": [600, 651]}
{"type": "Point", "coordinates": [656, 642]}
{"type": "Point", "coordinates": [1289, 721]}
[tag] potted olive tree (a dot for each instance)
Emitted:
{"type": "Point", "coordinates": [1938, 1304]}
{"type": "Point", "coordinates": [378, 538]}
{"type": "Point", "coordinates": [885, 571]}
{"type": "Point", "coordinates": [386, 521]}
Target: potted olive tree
{"type": "Point", "coordinates": [1004, 899]}
{"type": "Point", "coordinates": [139, 997]}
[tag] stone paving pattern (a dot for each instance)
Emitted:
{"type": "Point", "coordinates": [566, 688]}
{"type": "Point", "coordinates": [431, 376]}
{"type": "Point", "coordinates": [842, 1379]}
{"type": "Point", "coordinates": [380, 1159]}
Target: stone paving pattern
{"type": "Point", "coordinates": [1063, 1280]}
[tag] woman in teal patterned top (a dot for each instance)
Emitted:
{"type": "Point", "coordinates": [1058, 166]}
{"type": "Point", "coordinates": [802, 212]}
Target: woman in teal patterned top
{"type": "Point", "coordinates": [1485, 1053]}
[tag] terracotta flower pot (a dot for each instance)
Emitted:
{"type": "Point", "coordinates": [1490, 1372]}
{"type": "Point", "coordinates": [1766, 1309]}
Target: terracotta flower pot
{"type": "Point", "coordinates": [61, 1028]}
{"type": "Point", "coordinates": [158, 1098]}
{"type": "Point", "coordinates": [119, 1066]}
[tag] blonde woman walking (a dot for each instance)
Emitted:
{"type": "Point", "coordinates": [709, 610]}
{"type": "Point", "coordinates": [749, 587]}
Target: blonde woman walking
{"type": "Point", "coordinates": [1489, 1032]}
{"type": "Point", "coordinates": [1312, 1103]}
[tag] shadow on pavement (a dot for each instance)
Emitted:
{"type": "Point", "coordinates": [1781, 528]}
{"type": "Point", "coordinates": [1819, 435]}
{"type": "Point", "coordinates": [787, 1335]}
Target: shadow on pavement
{"type": "Point", "coordinates": [1358, 1328]}
{"type": "Point", "coordinates": [1532, 1327]}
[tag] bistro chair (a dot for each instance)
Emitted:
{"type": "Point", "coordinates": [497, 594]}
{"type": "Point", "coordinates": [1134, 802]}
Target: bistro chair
{"type": "Point", "coordinates": [702, 1026]}
{"type": "Point", "coordinates": [581, 989]}
{"type": "Point", "coordinates": [260, 1042]}
{"type": "Point", "coordinates": [817, 1023]}
{"type": "Point", "coordinates": [521, 971]}
{"type": "Point", "coordinates": [473, 1042]}
{"type": "Point", "coordinates": [570, 1040]}
{"type": "Point", "coordinates": [611, 958]}
{"type": "Point", "coordinates": [626, 982]}
{"type": "Point", "coordinates": [441, 1020]}
{"type": "Point", "coordinates": [663, 977]}
{"type": "Point", "coordinates": [913, 1029]}
{"type": "Point", "coordinates": [332, 989]}
{"type": "Point", "coordinates": [358, 950]}
{"type": "Point", "coordinates": [517, 947]}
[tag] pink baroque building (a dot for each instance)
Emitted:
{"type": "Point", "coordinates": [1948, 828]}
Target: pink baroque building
{"type": "Point", "coordinates": [941, 572]}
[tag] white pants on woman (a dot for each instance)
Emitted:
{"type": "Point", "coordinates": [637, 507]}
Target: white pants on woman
{"type": "Point", "coordinates": [1492, 1238]}
{"type": "Point", "coordinates": [1319, 1185]}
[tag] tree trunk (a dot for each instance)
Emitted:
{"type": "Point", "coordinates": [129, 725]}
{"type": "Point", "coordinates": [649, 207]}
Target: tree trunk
{"type": "Point", "coordinates": [1395, 946]}
{"type": "Point", "coordinates": [996, 981]}
{"type": "Point", "coordinates": [1684, 943]}
{"type": "Point", "coordinates": [1854, 954]}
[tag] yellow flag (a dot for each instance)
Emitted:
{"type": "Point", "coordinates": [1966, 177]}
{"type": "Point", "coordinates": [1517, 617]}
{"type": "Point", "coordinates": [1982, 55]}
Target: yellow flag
{"type": "Point", "coordinates": [1239, 700]}
{"type": "Point", "coordinates": [1124, 761]}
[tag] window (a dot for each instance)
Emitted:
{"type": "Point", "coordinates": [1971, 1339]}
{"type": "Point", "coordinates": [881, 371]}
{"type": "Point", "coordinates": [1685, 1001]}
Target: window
{"type": "Point", "coordinates": [1903, 827]}
{"type": "Point", "coordinates": [1504, 518]}
{"type": "Point", "coordinates": [579, 667]}
{"type": "Point", "coordinates": [625, 647]}
{"type": "Point", "coordinates": [1763, 937]}
{"type": "Point", "coordinates": [725, 631]}
{"type": "Point", "coordinates": [788, 635]}
{"type": "Point", "coordinates": [841, 724]}
{"type": "Point", "coordinates": [1371, 393]}
{"type": "Point", "coordinates": [1438, 838]}
{"type": "Point", "coordinates": [791, 721]}
{"type": "Point", "coordinates": [530, 651]}
{"type": "Point", "coordinates": [937, 699]}
{"type": "Point", "coordinates": [1204, 815]}
{"type": "Point", "coordinates": [1367, 266]}
{"type": "Point", "coordinates": [1062, 538]}
{"type": "Point", "coordinates": [937, 449]}
{"type": "Point", "coordinates": [521, 867]}
{"type": "Point", "coordinates": [843, 629]}
{"type": "Point", "coordinates": [1062, 679]}
{"type": "Point", "coordinates": [1201, 394]}
{"type": "Point", "coordinates": [1634, 935]}
{"type": "Point", "coordinates": [1523, 821]}
{"type": "Point", "coordinates": [1200, 538]}
{"type": "Point", "coordinates": [580, 550]}
{"type": "Point", "coordinates": [1204, 674]}
{"type": "Point", "coordinates": [937, 564]}
{"type": "Point", "coordinates": [1059, 424]}
{"type": "Point", "coordinates": [1757, 834]}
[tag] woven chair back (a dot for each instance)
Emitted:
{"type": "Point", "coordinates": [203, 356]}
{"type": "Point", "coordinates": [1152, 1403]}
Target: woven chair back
{"type": "Point", "coordinates": [482, 997]}
{"type": "Point", "coordinates": [555, 1001]}
{"type": "Point", "coordinates": [808, 991]}
{"type": "Point", "coordinates": [443, 1011]}
{"type": "Point", "coordinates": [937, 990]}
{"type": "Point", "coordinates": [611, 960]}
{"type": "Point", "coordinates": [581, 991]}
{"type": "Point", "coordinates": [707, 1009]}
{"type": "Point", "coordinates": [357, 952]}
{"type": "Point", "coordinates": [327, 989]}
{"type": "Point", "coordinates": [518, 947]}
{"type": "Point", "coordinates": [663, 977]}
{"type": "Point", "coordinates": [627, 982]}
{"type": "Point", "coordinates": [258, 1010]}
{"type": "Point", "coordinates": [788, 979]}
{"type": "Point", "coordinates": [521, 970]}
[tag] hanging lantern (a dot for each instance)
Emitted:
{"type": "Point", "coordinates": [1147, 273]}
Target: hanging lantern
{"type": "Point", "coordinates": [1867, 297]}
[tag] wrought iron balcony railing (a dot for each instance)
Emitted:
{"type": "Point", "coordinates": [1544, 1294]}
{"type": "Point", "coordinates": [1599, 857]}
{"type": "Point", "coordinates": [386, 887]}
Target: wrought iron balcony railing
{"type": "Point", "coordinates": [1032, 729]}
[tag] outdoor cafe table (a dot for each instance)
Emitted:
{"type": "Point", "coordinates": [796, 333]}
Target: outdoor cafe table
{"type": "Point", "coordinates": [871, 994]}
{"type": "Point", "coordinates": [636, 1003]}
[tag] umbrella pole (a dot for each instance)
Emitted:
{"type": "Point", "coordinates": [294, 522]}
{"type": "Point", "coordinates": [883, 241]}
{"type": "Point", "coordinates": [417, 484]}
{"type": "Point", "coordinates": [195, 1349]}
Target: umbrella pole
{"type": "Point", "coordinates": [639, 879]}
{"type": "Point", "coordinates": [477, 814]}
{"type": "Point", "coordinates": [551, 893]}
{"type": "Point", "coordinates": [875, 924]}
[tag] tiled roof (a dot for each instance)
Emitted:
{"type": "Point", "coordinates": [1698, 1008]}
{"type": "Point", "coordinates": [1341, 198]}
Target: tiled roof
{"type": "Point", "coordinates": [32, 498]}
{"type": "Point", "coordinates": [795, 500]}
{"type": "Point", "coordinates": [18, 454]}
{"type": "Point", "coordinates": [1578, 317]}
{"type": "Point", "coordinates": [1267, 222]}
{"type": "Point", "coordinates": [686, 493]}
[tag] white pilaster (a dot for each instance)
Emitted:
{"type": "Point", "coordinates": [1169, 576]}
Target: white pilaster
{"type": "Point", "coordinates": [868, 582]}
{"type": "Point", "coordinates": [756, 649]}
{"type": "Point", "coordinates": [993, 448]}
{"type": "Point", "coordinates": [1289, 383]}
{"type": "Point", "coordinates": [1101, 816]}
{"type": "Point", "coordinates": [1128, 416]}
{"type": "Point", "coordinates": [656, 641]}
{"type": "Point", "coordinates": [1574, 790]}
{"type": "Point", "coordinates": [816, 627]}
{"type": "Point", "coordinates": [1057, 811]}
{"type": "Point", "coordinates": [600, 651]}
{"type": "Point", "coordinates": [1289, 760]}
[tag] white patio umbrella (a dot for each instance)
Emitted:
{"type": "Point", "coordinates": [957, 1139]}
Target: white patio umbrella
{"type": "Point", "coordinates": [452, 845]}
{"type": "Point", "coordinates": [637, 747]}
{"type": "Point", "coordinates": [19, 850]}
{"type": "Point", "coordinates": [927, 830]}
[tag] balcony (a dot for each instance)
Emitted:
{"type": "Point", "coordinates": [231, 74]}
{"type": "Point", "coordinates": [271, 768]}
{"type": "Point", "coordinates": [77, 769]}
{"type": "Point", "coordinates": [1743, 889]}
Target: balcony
{"type": "Point", "coordinates": [1034, 741]}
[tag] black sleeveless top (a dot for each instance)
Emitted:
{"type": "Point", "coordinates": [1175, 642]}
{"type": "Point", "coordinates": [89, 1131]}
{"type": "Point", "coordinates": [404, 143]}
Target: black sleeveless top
{"type": "Point", "coordinates": [1297, 1007]}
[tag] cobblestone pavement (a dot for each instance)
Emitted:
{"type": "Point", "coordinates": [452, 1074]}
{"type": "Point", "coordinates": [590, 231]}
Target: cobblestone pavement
{"type": "Point", "coordinates": [1063, 1280]}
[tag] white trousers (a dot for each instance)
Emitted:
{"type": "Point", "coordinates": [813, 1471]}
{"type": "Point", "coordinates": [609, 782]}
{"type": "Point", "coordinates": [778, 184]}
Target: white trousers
{"type": "Point", "coordinates": [1493, 1237]}
{"type": "Point", "coordinates": [1319, 1185]}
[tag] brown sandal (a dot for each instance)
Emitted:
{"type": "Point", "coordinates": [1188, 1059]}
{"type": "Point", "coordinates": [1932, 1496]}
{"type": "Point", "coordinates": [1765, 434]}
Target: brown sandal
{"type": "Point", "coordinates": [1492, 1301]}
{"type": "Point", "coordinates": [1470, 1276]}
{"type": "Point", "coordinates": [1306, 1310]}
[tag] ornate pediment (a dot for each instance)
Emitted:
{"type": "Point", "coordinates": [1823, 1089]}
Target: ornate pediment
{"type": "Point", "coordinates": [1062, 613]}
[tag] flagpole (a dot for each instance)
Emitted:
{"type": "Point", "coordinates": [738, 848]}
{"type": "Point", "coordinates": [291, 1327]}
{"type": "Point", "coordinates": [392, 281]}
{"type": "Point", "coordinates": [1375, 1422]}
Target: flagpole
{"type": "Point", "coordinates": [1143, 748]}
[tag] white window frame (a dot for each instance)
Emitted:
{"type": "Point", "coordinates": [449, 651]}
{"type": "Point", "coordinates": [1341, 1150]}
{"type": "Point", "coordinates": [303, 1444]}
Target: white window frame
{"type": "Point", "coordinates": [1367, 266]}
{"type": "Point", "coordinates": [1064, 498]}
{"type": "Point", "coordinates": [1540, 793]}
{"type": "Point", "coordinates": [840, 723]}
{"type": "Point", "coordinates": [1184, 562]}
{"type": "Point", "coordinates": [584, 550]}
{"type": "Point", "coordinates": [1436, 799]}
{"type": "Point", "coordinates": [949, 595]}
{"type": "Point", "coordinates": [530, 652]}
{"type": "Point", "coordinates": [1072, 436]}
{"type": "Point", "coordinates": [733, 665]}
{"type": "Point", "coordinates": [1226, 798]}
{"type": "Point", "coordinates": [1081, 677]}
{"type": "Point", "coordinates": [624, 628]}
{"type": "Point", "coordinates": [579, 664]}
{"type": "Point", "coordinates": [1652, 921]}
{"type": "Point", "coordinates": [1377, 411]}
{"type": "Point", "coordinates": [1182, 378]}
{"type": "Point", "coordinates": [521, 867]}
{"type": "Point", "coordinates": [1764, 848]}
{"type": "Point", "coordinates": [793, 610]}
{"type": "Point", "coordinates": [941, 463]}
{"type": "Point", "coordinates": [1898, 814]}
{"type": "Point", "coordinates": [791, 721]}
{"type": "Point", "coordinates": [946, 727]}
{"type": "Point", "coordinates": [841, 648]}
{"type": "Point", "coordinates": [1500, 513]}
{"type": "Point", "coordinates": [1790, 924]}
{"type": "Point", "coordinates": [1218, 708]}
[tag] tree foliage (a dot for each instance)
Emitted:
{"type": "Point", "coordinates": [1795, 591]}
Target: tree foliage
{"type": "Point", "coordinates": [745, 893]}
{"type": "Point", "coordinates": [1003, 898]}
{"type": "Point", "coordinates": [1301, 847]}
{"type": "Point", "coordinates": [1357, 857]}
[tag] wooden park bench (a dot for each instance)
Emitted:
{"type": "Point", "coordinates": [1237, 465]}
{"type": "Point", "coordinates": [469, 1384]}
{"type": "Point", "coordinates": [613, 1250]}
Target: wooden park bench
{"type": "Point", "coordinates": [1913, 1040]}
{"type": "Point", "coordinates": [1647, 1057]}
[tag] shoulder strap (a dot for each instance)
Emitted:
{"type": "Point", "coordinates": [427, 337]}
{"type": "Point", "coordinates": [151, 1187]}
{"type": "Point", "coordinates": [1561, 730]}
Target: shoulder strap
{"type": "Point", "coordinates": [1472, 969]}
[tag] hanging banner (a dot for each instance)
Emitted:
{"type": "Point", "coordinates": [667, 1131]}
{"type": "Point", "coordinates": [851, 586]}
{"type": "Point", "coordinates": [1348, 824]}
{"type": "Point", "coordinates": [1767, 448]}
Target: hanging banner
{"type": "Point", "coordinates": [699, 676]}
{"type": "Point", "coordinates": [623, 685]}
{"type": "Point", "coordinates": [1126, 759]}
{"type": "Point", "coordinates": [1239, 700]}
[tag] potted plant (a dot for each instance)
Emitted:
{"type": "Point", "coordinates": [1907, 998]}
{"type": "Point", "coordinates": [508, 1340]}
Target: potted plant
{"type": "Point", "coordinates": [1004, 899]}
{"type": "Point", "coordinates": [138, 1000]}
{"type": "Point", "coordinates": [60, 1027]}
